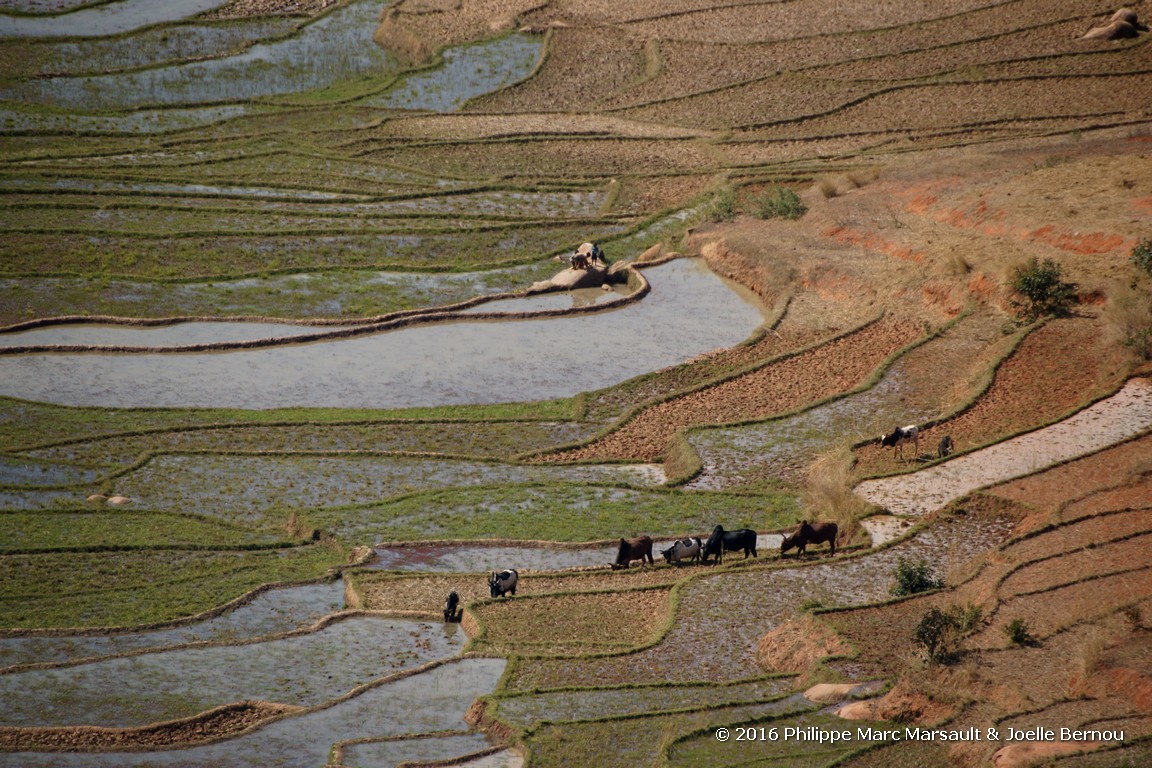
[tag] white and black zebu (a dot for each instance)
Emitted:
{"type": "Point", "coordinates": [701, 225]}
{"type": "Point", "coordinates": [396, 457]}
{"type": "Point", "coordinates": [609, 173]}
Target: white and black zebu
{"type": "Point", "coordinates": [900, 435]}
{"type": "Point", "coordinates": [503, 583]}
{"type": "Point", "coordinates": [731, 541]}
{"type": "Point", "coordinates": [684, 549]}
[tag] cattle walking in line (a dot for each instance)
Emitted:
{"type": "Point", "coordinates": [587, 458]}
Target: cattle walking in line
{"type": "Point", "coordinates": [900, 435]}
{"type": "Point", "coordinates": [684, 549]}
{"type": "Point", "coordinates": [810, 533]}
{"type": "Point", "coordinates": [639, 548]}
{"type": "Point", "coordinates": [452, 611]}
{"type": "Point", "coordinates": [503, 583]}
{"type": "Point", "coordinates": [722, 540]}
{"type": "Point", "coordinates": [946, 447]}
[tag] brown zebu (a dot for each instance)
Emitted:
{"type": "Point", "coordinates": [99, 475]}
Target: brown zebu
{"type": "Point", "coordinates": [639, 548]}
{"type": "Point", "coordinates": [810, 533]}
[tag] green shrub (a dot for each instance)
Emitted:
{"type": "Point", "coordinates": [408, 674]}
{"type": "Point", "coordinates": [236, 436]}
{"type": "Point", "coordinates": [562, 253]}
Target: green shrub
{"type": "Point", "coordinates": [1042, 290]}
{"type": "Point", "coordinates": [1142, 255]}
{"type": "Point", "coordinates": [913, 577]}
{"type": "Point", "coordinates": [1017, 632]}
{"type": "Point", "coordinates": [939, 632]}
{"type": "Point", "coordinates": [779, 202]}
{"type": "Point", "coordinates": [722, 206]}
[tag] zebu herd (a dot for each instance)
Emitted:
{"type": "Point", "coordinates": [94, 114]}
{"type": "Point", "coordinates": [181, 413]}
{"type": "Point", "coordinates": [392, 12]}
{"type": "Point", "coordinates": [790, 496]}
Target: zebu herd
{"type": "Point", "coordinates": [711, 550]}
{"type": "Point", "coordinates": [690, 549]}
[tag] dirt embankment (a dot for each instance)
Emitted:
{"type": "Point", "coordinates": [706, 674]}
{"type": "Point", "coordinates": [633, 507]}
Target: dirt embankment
{"type": "Point", "coordinates": [218, 723]}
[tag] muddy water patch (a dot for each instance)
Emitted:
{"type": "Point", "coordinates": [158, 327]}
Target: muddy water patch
{"type": "Point", "coordinates": [885, 528]}
{"type": "Point", "coordinates": [581, 297]}
{"type": "Point", "coordinates": [19, 471]}
{"type": "Point", "coordinates": [1107, 422]}
{"type": "Point", "coordinates": [272, 612]}
{"type": "Point", "coordinates": [434, 700]}
{"type": "Point", "coordinates": [305, 670]}
{"type": "Point", "coordinates": [467, 558]}
{"type": "Point", "coordinates": [689, 311]}
{"type": "Point", "coordinates": [451, 558]}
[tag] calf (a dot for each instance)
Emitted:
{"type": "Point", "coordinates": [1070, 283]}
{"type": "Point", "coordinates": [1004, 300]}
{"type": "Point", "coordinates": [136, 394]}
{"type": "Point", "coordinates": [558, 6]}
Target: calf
{"type": "Point", "coordinates": [900, 435]}
{"type": "Point", "coordinates": [810, 533]}
{"type": "Point", "coordinates": [503, 583]}
{"type": "Point", "coordinates": [946, 447]}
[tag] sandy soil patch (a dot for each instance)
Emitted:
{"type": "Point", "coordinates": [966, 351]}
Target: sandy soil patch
{"type": "Point", "coordinates": [1088, 485]}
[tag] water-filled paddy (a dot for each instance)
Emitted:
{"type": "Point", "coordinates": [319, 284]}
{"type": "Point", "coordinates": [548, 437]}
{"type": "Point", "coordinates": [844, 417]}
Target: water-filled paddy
{"type": "Point", "coordinates": [305, 670]}
{"type": "Point", "coordinates": [320, 295]}
{"type": "Point", "coordinates": [106, 19]}
{"type": "Point", "coordinates": [18, 471]}
{"type": "Point", "coordinates": [689, 311]}
{"type": "Point", "coordinates": [414, 750]}
{"type": "Point", "coordinates": [245, 488]}
{"type": "Point", "coordinates": [450, 558]}
{"type": "Point", "coordinates": [274, 611]}
{"type": "Point", "coordinates": [181, 334]}
{"type": "Point", "coordinates": [337, 47]}
{"type": "Point", "coordinates": [467, 72]}
{"type": "Point", "coordinates": [434, 700]}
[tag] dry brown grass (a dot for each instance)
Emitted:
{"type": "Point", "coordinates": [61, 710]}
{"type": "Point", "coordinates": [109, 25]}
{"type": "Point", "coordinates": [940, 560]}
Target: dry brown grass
{"type": "Point", "coordinates": [1128, 319]}
{"type": "Point", "coordinates": [828, 497]}
{"type": "Point", "coordinates": [574, 624]}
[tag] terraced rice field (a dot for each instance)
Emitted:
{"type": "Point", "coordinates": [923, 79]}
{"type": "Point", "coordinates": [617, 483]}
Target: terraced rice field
{"type": "Point", "coordinates": [272, 384]}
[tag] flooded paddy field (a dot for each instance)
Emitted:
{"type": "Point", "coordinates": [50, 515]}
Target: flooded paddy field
{"type": "Point", "coordinates": [272, 612]}
{"type": "Point", "coordinates": [102, 19]}
{"type": "Point", "coordinates": [249, 488]}
{"type": "Point", "coordinates": [425, 703]}
{"type": "Point", "coordinates": [450, 363]}
{"type": "Point", "coordinates": [165, 685]}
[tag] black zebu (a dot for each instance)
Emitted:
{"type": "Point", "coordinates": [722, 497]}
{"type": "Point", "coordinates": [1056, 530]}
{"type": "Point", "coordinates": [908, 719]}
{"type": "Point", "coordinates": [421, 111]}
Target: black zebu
{"type": "Point", "coordinates": [721, 541]}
